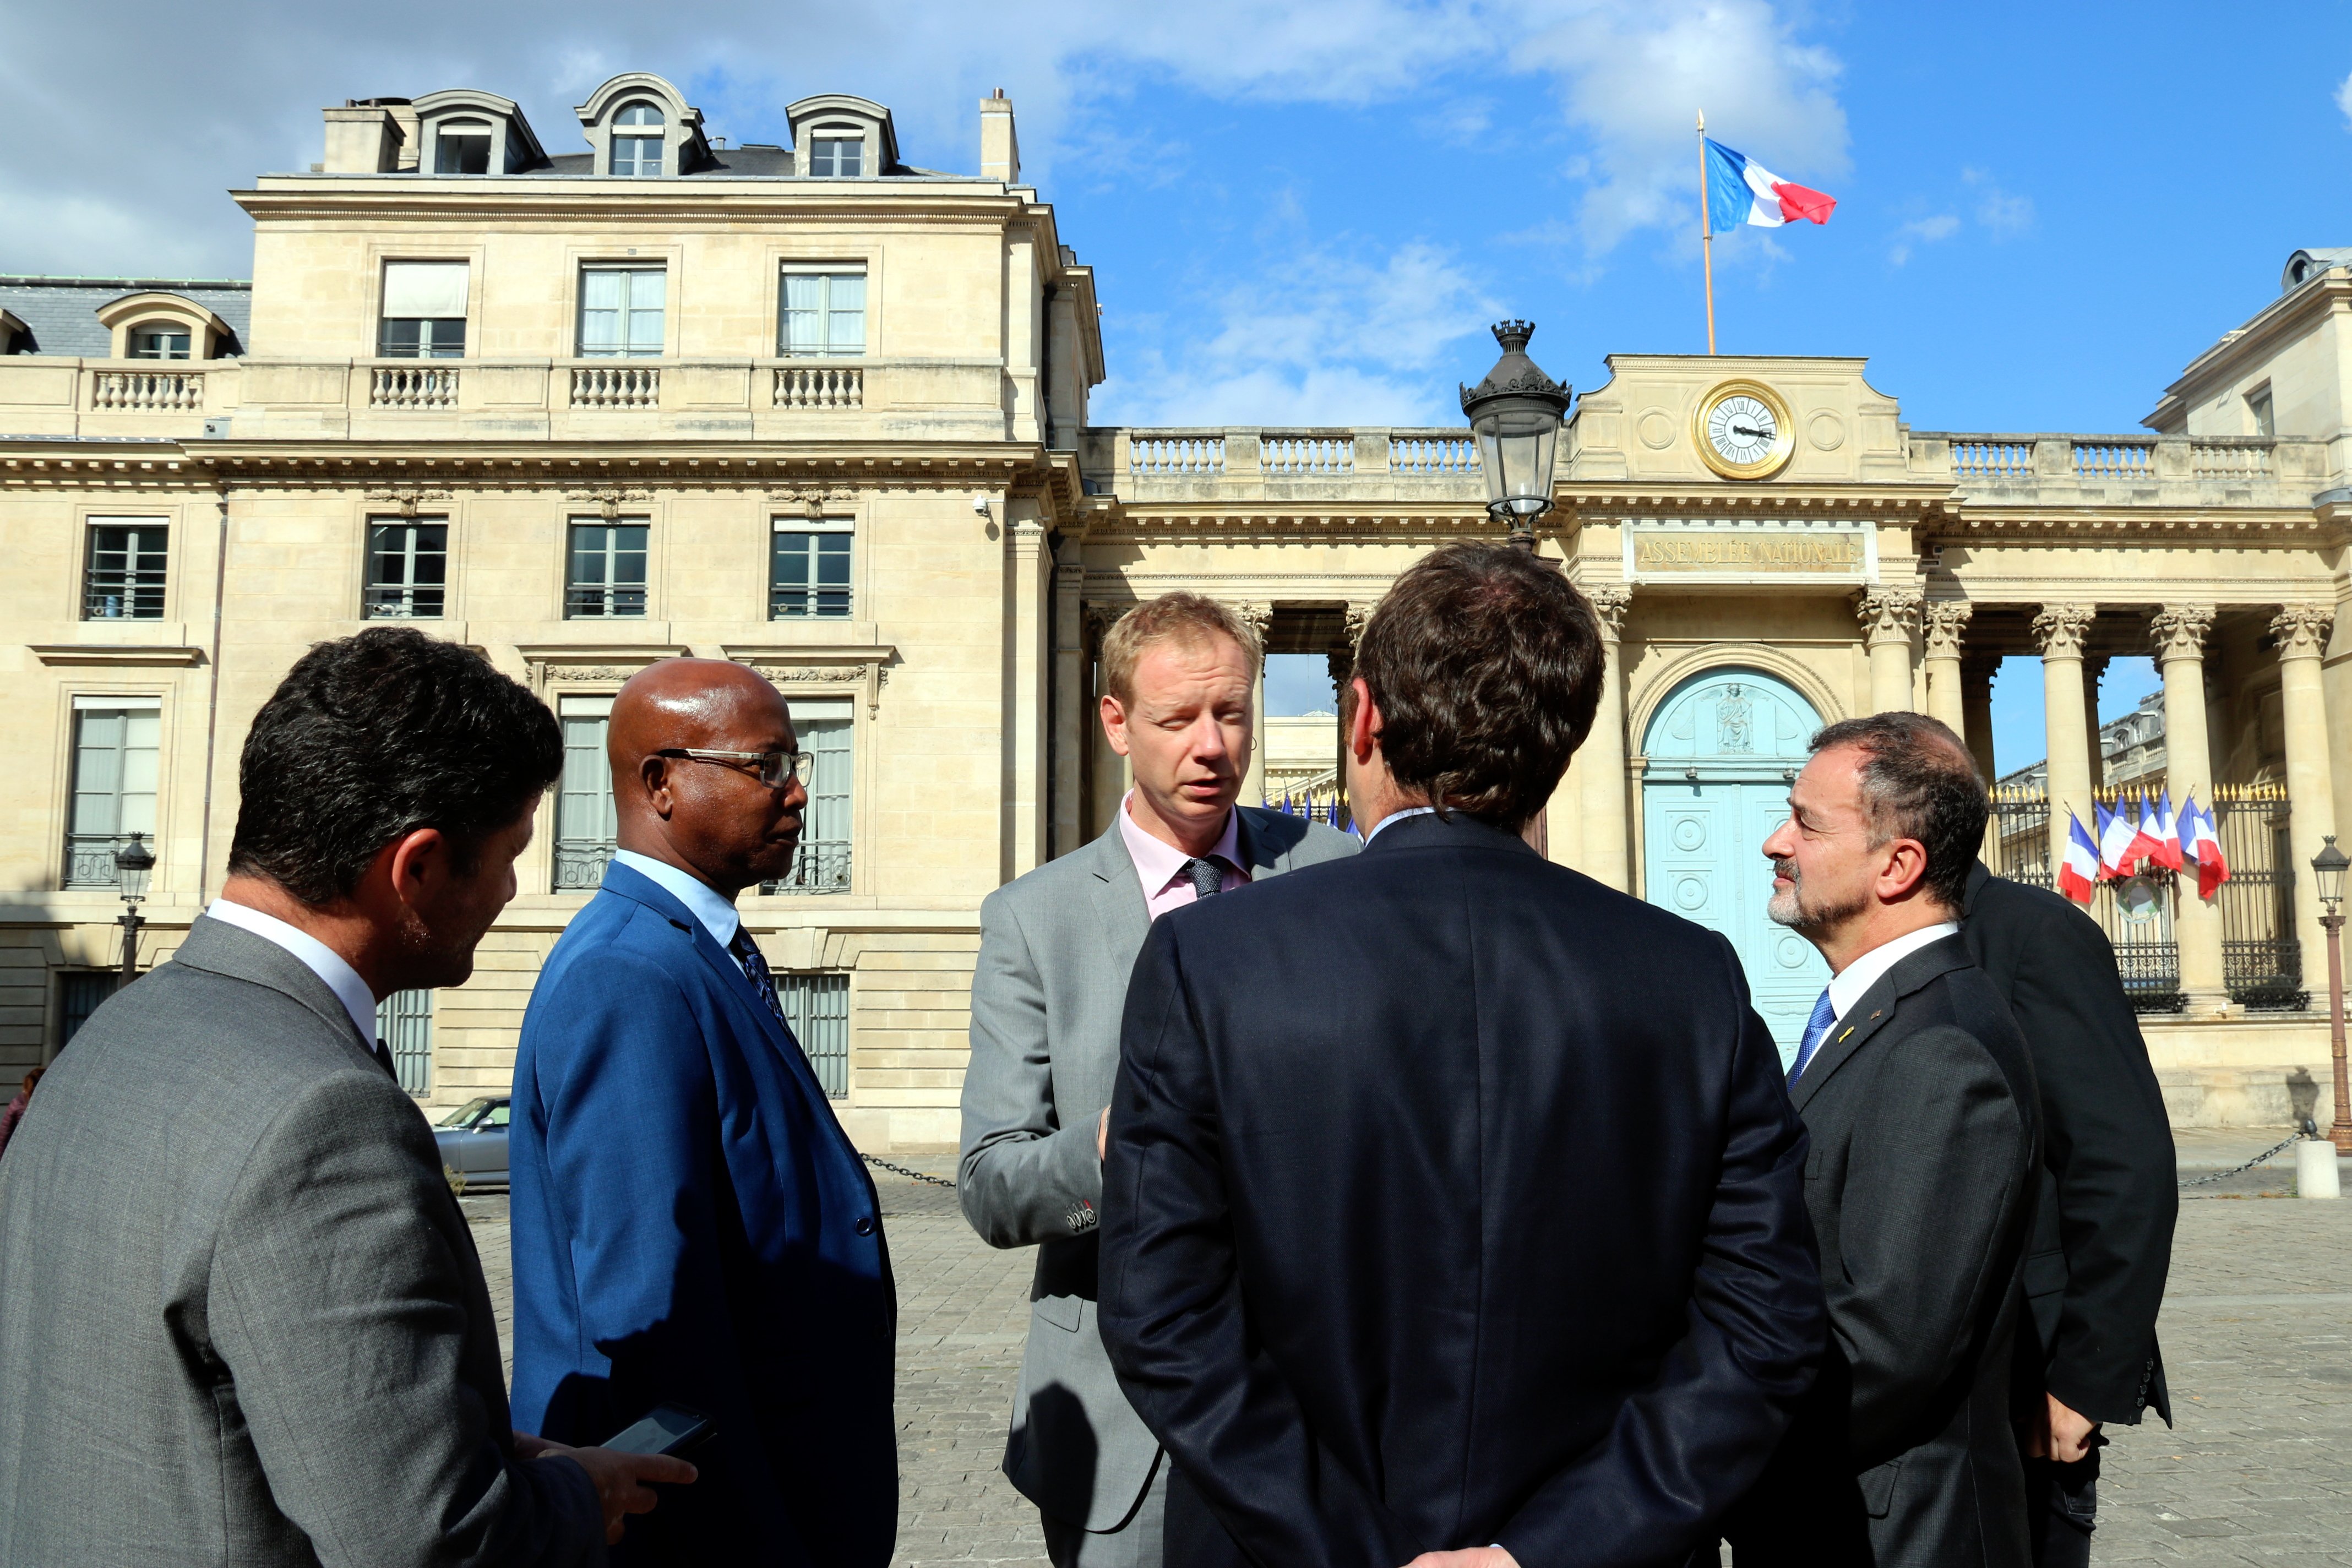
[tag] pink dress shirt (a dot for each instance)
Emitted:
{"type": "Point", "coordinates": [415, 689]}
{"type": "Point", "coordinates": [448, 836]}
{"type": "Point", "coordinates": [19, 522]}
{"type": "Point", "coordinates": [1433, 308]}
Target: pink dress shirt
{"type": "Point", "coordinates": [1160, 866]}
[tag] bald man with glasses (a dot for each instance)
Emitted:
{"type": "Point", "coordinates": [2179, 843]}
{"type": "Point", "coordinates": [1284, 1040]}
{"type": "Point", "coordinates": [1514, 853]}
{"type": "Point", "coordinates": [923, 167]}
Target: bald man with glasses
{"type": "Point", "coordinates": [691, 1224]}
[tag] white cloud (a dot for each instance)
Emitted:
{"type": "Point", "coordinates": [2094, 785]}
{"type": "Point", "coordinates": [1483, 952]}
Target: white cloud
{"type": "Point", "coordinates": [2002, 213]}
{"type": "Point", "coordinates": [2344, 100]}
{"type": "Point", "coordinates": [1921, 231]}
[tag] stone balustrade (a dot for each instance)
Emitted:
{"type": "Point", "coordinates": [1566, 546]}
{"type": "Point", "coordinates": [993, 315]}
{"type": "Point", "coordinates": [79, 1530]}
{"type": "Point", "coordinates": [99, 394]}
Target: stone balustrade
{"type": "Point", "coordinates": [2139, 471]}
{"type": "Point", "coordinates": [1370, 462]}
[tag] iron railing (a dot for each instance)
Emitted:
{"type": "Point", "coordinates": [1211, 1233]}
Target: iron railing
{"type": "Point", "coordinates": [821, 867]}
{"type": "Point", "coordinates": [579, 863]}
{"type": "Point", "coordinates": [2262, 961]}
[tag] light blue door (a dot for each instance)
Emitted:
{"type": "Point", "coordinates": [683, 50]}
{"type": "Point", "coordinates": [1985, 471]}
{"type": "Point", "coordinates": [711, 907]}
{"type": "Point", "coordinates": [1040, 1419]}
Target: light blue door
{"type": "Point", "coordinates": [1721, 753]}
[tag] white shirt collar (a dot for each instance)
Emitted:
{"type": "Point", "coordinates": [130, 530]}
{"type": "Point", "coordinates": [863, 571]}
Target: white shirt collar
{"type": "Point", "coordinates": [1847, 986]}
{"type": "Point", "coordinates": [1157, 861]}
{"type": "Point", "coordinates": [1398, 815]}
{"type": "Point", "coordinates": [314, 955]}
{"type": "Point", "coordinates": [717, 913]}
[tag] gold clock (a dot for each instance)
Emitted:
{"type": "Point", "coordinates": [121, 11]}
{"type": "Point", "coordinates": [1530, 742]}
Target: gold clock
{"type": "Point", "coordinates": [1743, 430]}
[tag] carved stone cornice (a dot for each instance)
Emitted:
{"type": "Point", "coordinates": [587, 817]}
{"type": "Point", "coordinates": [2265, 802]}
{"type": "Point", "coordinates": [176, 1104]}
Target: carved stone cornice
{"type": "Point", "coordinates": [2301, 630]}
{"type": "Point", "coordinates": [1948, 625]}
{"type": "Point", "coordinates": [2178, 631]}
{"type": "Point", "coordinates": [2059, 629]}
{"type": "Point", "coordinates": [852, 666]}
{"type": "Point", "coordinates": [1888, 615]}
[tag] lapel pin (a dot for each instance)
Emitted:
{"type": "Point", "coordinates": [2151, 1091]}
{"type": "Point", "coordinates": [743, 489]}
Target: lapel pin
{"type": "Point", "coordinates": [1847, 1036]}
{"type": "Point", "coordinates": [1875, 1014]}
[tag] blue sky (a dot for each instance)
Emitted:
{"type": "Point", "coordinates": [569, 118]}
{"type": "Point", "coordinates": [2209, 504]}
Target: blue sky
{"type": "Point", "coordinates": [1308, 213]}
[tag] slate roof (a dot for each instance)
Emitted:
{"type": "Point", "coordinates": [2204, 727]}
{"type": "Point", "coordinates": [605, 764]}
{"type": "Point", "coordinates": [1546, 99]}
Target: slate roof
{"type": "Point", "coordinates": [61, 314]}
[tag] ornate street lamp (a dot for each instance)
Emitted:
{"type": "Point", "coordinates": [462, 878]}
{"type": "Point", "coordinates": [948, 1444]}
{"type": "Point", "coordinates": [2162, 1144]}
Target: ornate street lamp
{"type": "Point", "coordinates": [133, 864]}
{"type": "Point", "coordinates": [1514, 413]}
{"type": "Point", "coordinates": [2327, 875]}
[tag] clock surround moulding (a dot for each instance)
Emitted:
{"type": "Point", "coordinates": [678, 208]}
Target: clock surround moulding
{"type": "Point", "coordinates": [1784, 437]}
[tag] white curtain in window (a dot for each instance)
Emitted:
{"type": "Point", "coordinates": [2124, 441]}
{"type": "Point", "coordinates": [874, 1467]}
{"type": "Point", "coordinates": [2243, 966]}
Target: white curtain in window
{"type": "Point", "coordinates": [431, 289]}
{"type": "Point", "coordinates": [825, 313]}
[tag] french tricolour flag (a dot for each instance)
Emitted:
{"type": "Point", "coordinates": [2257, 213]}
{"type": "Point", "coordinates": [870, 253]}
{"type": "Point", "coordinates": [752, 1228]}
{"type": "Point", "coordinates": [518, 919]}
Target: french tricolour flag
{"type": "Point", "coordinates": [2117, 836]}
{"type": "Point", "coordinates": [2167, 852]}
{"type": "Point", "coordinates": [2200, 840]}
{"type": "Point", "coordinates": [2079, 872]}
{"type": "Point", "coordinates": [1739, 190]}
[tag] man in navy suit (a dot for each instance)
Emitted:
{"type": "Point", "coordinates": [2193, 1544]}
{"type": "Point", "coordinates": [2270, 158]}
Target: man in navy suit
{"type": "Point", "coordinates": [1455, 1203]}
{"type": "Point", "coordinates": [691, 1224]}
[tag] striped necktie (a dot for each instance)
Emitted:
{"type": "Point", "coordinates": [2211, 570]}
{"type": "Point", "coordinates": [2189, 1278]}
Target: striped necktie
{"type": "Point", "coordinates": [1817, 1028]}
{"type": "Point", "coordinates": [755, 970]}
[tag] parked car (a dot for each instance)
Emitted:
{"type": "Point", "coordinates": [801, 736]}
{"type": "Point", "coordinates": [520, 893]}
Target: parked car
{"type": "Point", "coordinates": [473, 1140]}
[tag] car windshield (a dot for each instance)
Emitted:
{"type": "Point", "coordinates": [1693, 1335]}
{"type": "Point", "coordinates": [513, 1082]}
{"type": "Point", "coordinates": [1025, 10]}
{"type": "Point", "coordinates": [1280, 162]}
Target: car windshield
{"type": "Point", "coordinates": [498, 1116]}
{"type": "Point", "coordinates": [467, 1114]}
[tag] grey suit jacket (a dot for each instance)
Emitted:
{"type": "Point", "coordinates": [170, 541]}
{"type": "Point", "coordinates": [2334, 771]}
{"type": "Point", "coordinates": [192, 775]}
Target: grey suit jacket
{"type": "Point", "coordinates": [1925, 1126]}
{"type": "Point", "coordinates": [241, 1318]}
{"type": "Point", "coordinates": [1056, 948]}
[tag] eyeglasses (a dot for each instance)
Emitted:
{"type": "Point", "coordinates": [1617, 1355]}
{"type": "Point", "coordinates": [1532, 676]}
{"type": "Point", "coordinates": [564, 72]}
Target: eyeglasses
{"type": "Point", "coordinates": [775, 767]}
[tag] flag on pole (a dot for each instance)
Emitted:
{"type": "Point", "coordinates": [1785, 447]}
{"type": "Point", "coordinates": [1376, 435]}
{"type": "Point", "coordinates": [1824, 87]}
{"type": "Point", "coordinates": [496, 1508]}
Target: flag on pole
{"type": "Point", "coordinates": [2115, 836]}
{"type": "Point", "coordinates": [1739, 190]}
{"type": "Point", "coordinates": [2205, 848]}
{"type": "Point", "coordinates": [2145, 841]}
{"type": "Point", "coordinates": [2167, 852]}
{"type": "Point", "coordinates": [2079, 872]}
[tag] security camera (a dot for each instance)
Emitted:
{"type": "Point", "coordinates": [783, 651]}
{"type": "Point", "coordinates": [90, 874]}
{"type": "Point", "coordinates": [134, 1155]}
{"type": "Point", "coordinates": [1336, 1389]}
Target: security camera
{"type": "Point", "coordinates": [980, 505]}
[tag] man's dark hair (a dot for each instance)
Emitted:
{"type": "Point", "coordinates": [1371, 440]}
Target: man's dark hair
{"type": "Point", "coordinates": [1920, 782]}
{"type": "Point", "coordinates": [378, 735]}
{"type": "Point", "coordinates": [1485, 665]}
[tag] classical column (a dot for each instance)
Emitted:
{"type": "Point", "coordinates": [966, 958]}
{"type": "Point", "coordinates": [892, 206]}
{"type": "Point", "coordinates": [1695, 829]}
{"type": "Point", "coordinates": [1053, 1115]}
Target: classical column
{"type": "Point", "coordinates": [1977, 674]}
{"type": "Point", "coordinates": [1068, 743]}
{"type": "Point", "coordinates": [1946, 623]}
{"type": "Point", "coordinates": [2301, 633]}
{"type": "Point", "coordinates": [1110, 780]}
{"type": "Point", "coordinates": [2060, 629]}
{"type": "Point", "coordinates": [2094, 666]}
{"type": "Point", "coordinates": [1024, 845]}
{"type": "Point", "coordinates": [2179, 632]}
{"type": "Point", "coordinates": [1889, 617]}
{"type": "Point", "coordinates": [1342, 665]}
{"type": "Point", "coordinates": [1607, 853]}
{"type": "Point", "coordinates": [1261, 621]}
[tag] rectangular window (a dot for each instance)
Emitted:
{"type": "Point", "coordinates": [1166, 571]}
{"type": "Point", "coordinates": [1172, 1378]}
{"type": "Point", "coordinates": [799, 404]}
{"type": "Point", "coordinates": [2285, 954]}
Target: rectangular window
{"type": "Point", "coordinates": [424, 309]}
{"type": "Point", "coordinates": [821, 865]}
{"type": "Point", "coordinates": [404, 1022]}
{"type": "Point", "coordinates": [2258, 404]}
{"type": "Point", "coordinates": [461, 152]}
{"type": "Point", "coordinates": [585, 823]}
{"type": "Point", "coordinates": [822, 313]}
{"type": "Point", "coordinates": [639, 155]}
{"type": "Point", "coordinates": [153, 342]}
{"type": "Point", "coordinates": [114, 773]}
{"type": "Point", "coordinates": [408, 572]}
{"type": "Point", "coordinates": [816, 1010]}
{"type": "Point", "coordinates": [842, 157]}
{"type": "Point", "coordinates": [608, 571]}
{"type": "Point", "coordinates": [621, 312]}
{"type": "Point", "coordinates": [808, 569]}
{"type": "Point", "coordinates": [79, 991]}
{"type": "Point", "coordinates": [123, 570]}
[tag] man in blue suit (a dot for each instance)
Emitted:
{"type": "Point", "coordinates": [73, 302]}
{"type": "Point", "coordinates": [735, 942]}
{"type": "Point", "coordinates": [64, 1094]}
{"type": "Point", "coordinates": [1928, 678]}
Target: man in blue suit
{"type": "Point", "coordinates": [691, 1224]}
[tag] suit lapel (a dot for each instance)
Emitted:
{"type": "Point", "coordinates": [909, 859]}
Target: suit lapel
{"type": "Point", "coordinates": [622, 882]}
{"type": "Point", "coordinates": [233, 951]}
{"type": "Point", "coordinates": [1873, 1010]}
{"type": "Point", "coordinates": [1117, 892]}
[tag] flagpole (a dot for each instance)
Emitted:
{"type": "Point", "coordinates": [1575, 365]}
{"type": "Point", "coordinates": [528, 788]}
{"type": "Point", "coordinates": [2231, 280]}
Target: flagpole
{"type": "Point", "coordinates": [1705, 232]}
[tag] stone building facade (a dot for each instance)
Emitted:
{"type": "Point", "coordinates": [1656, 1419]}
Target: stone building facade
{"type": "Point", "coordinates": [820, 410]}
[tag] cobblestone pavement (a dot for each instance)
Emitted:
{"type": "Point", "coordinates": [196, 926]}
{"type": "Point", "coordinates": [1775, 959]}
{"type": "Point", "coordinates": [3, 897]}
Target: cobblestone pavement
{"type": "Point", "coordinates": [2257, 1332]}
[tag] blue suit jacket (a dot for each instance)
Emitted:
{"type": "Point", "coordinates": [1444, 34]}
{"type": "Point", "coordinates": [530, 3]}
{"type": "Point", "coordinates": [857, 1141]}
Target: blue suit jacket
{"type": "Point", "coordinates": [692, 1224]}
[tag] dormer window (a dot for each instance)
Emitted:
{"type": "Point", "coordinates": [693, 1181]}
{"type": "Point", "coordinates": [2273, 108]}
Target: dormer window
{"type": "Point", "coordinates": [838, 156]}
{"type": "Point", "coordinates": [637, 139]}
{"type": "Point", "coordinates": [461, 147]}
{"type": "Point", "coordinates": [159, 342]}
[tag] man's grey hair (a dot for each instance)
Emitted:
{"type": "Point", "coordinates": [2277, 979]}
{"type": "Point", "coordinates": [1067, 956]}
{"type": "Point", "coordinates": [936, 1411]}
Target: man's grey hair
{"type": "Point", "coordinates": [1920, 782]}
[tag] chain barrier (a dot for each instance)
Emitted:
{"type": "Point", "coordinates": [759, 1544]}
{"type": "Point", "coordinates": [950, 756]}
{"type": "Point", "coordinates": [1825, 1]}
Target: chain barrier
{"type": "Point", "coordinates": [917, 1175]}
{"type": "Point", "coordinates": [2293, 1139]}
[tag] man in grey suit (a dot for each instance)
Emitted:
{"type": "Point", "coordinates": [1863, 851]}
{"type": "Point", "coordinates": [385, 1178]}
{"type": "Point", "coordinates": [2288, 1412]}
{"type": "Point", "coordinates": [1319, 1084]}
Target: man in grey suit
{"type": "Point", "coordinates": [1917, 1092]}
{"type": "Point", "coordinates": [1057, 947]}
{"type": "Point", "coordinates": [241, 1317]}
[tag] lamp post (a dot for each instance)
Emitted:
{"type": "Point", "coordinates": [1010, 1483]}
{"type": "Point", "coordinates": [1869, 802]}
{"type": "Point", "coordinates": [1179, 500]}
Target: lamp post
{"type": "Point", "coordinates": [133, 864]}
{"type": "Point", "coordinates": [1514, 413]}
{"type": "Point", "coordinates": [2327, 873]}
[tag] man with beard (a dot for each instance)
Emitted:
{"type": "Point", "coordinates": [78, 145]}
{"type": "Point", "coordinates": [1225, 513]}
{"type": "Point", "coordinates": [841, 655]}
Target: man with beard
{"type": "Point", "coordinates": [691, 1226]}
{"type": "Point", "coordinates": [1918, 1093]}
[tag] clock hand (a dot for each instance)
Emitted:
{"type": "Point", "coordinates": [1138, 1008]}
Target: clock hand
{"type": "Point", "coordinates": [1744, 430]}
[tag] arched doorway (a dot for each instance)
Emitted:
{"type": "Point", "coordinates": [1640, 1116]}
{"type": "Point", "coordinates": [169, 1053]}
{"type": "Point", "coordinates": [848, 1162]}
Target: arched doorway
{"type": "Point", "coordinates": [1722, 749]}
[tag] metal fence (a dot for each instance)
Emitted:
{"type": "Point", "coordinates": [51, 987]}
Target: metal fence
{"type": "Point", "coordinates": [816, 1008]}
{"type": "Point", "coordinates": [79, 991]}
{"type": "Point", "coordinates": [404, 1022]}
{"type": "Point", "coordinates": [2261, 963]}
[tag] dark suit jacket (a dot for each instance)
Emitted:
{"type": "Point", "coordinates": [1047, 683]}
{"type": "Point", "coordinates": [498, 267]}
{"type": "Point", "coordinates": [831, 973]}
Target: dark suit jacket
{"type": "Point", "coordinates": [691, 1223]}
{"type": "Point", "coordinates": [1452, 1198]}
{"type": "Point", "coordinates": [1920, 1183]}
{"type": "Point", "coordinates": [241, 1317]}
{"type": "Point", "coordinates": [2103, 1230]}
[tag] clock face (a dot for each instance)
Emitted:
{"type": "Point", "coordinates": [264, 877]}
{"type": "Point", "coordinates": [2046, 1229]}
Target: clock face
{"type": "Point", "coordinates": [1742, 430]}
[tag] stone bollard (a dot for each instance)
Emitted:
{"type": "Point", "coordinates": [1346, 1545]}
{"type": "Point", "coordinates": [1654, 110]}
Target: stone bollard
{"type": "Point", "coordinates": [2315, 1170]}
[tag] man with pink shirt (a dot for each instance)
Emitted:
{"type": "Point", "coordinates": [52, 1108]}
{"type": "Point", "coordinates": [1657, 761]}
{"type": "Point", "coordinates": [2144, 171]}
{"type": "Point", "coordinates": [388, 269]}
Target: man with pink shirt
{"type": "Point", "coordinates": [1055, 949]}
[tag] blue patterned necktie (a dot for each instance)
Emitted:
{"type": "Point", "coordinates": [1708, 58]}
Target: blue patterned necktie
{"type": "Point", "coordinates": [755, 970]}
{"type": "Point", "coordinates": [1207, 876]}
{"type": "Point", "coordinates": [1816, 1028]}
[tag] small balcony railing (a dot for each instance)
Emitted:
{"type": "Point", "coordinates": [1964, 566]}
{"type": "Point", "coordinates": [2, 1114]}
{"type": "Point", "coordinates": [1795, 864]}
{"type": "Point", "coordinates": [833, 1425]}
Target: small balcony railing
{"type": "Point", "coordinates": [820, 386]}
{"type": "Point", "coordinates": [579, 863]}
{"type": "Point", "coordinates": [616, 386]}
{"type": "Point", "coordinates": [90, 860]}
{"type": "Point", "coordinates": [821, 867]}
{"type": "Point", "coordinates": [147, 392]}
{"type": "Point", "coordinates": [412, 386]}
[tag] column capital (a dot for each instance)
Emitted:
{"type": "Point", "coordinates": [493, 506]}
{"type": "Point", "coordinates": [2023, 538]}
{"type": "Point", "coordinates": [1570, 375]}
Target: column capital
{"type": "Point", "coordinates": [2302, 629]}
{"type": "Point", "coordinates": [1948, 622]}
{"type": "Point", "coordinates": [1888, 615]}
{"type": "Point", "coordinates": [1100, 617]}
{"type": "Point", "coordinates": [2178, 631]}
{"type": "Point", "coordinates": [1609, 607]}
{"type": "Point", "coordinates": [2060, 629]}
{"type": "Point", "coordinates": [1358, 615]}
{"type": "Point", "coordinates": [1260, 616]}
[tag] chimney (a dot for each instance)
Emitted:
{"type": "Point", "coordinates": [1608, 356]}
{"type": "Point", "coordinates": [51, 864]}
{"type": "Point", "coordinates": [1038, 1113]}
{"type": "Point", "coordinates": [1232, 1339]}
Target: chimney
{"type": "Point", "coordinates": [1000, 151]}
{"type": "Point", "coordinates": [362, 139]}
